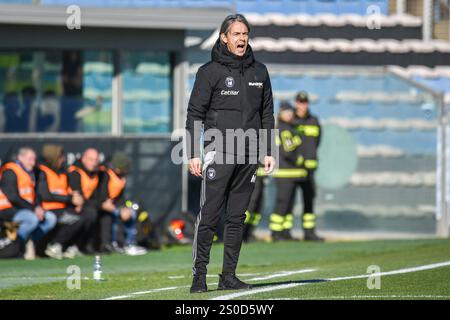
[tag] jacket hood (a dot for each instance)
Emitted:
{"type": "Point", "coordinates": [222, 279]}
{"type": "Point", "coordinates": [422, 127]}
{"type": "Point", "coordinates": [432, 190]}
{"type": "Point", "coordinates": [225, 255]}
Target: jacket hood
{"type": "Point", "coordinates": [222, 55]}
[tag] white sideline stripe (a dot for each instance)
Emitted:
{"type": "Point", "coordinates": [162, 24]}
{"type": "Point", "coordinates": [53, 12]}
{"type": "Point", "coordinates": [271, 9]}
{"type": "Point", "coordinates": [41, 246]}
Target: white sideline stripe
{"type": "Point", "coordinates": [150, 291]}
{"type": "Point", "coordinates": [282, 274]}
{"type": "Point", "coordinates": [144, 292]}
{"type": "Point", "coordinates": [270, 276]}
{"type": "Point", "coordinates": [362, 296]}
{"type": "Point", "coordinates": [291, 285]}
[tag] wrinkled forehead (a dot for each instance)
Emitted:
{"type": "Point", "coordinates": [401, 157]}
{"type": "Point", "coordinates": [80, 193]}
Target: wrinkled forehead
{"type": "Point", "coordinates": [238, 27]}
{"type": "Point", "coordinates": [28, 153]}
{"type": "Point", "coordinates": [91, 154]}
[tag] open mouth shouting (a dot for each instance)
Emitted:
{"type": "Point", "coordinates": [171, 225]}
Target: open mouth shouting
{"type": "Point", "coordinates": [240, 48]}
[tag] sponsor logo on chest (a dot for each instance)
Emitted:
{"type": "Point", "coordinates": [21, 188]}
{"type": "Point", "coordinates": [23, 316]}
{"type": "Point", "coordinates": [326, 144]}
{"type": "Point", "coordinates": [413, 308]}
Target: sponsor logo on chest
{"type": "Point", "coordinates": [229, 93]}
{"type": "Point", "coordinates": [256, 84]}
{"type": "Point", "coordinates": [229, 82]}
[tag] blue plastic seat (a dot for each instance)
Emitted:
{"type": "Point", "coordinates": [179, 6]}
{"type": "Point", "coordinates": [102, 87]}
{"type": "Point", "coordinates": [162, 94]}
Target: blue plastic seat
{"type": "Point", "coordinates": [244, 6]}
{"type": "Point", "coordinates": [323, 6]}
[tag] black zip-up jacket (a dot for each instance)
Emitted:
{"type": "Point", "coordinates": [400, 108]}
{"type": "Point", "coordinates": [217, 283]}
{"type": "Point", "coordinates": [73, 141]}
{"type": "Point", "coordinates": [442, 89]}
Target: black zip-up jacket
{"type": "Point", "coordinates": [230, 92]}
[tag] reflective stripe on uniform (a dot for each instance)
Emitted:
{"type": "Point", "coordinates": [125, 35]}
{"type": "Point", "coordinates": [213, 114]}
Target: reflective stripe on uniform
{"type": "Point", "coordinates": [290, 173]}
{"type": "Point", "coordinates": [274, 217]}
{"type": "Point", "coordinates": [285, 173]}
{"type": "Point", "coordinates": [276, 227]}
{"type": "Point", "coordinates": [309, 220]}
{"type": "Point", "coordinates": [256, 219]}
{"type": "Point", "coordinates": [260, 172]}
{"type": "Point", "coordinates": [276, 222]}
{"type": "Point", "coordinates": [288, 141]}
{"type": "Point", "coordinates": [288, 222]}
{"type": "Point", "coordinates": [311, 164]}
{"type": "Point", "coordinates": [252, 218]}
{"type": "Point", "coordinates": [309, 130]}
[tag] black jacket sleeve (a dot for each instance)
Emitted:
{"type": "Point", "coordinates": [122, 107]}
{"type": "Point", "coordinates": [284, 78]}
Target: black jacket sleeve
{"type": "Point", "coordinates": [120, 200]}
{"type": "Point", "coordinates": [9, 187]}
{"type": "Point", "coordinates": [75, 181]}
{"type": "Point", "coordinates": [267, 119]}
{"type": "Point", "coordinates": [198, 107]}
{"type": "Point", "coordinates": [44, 193]}
{"type": "Point", "coordinates": [102, 188]}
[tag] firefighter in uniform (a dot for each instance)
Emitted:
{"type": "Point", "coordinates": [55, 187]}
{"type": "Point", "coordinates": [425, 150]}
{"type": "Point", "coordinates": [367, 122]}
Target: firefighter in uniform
{"type": "Point", "coordinates": [231, 92]}
{"type": "Point", "coordinates": [84, 178]}
{"type": "Point", "coordinates": [114, 208]}
{"type": "Point", "coordinates": [55, 195]}
{"type": "Point", "coordinates": [18, 200]}
{"type": "Point", "coordinates": [289, 175]}
{"type": "Point", "coordinates": [308, 128]}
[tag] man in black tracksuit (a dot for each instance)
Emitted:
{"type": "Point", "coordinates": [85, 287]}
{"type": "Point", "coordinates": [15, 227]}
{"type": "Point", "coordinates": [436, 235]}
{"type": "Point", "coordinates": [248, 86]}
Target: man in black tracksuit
{"type": "Point", "coordinates": [308, 128]}
{"type": "Point", "coordinates": [232, 91]}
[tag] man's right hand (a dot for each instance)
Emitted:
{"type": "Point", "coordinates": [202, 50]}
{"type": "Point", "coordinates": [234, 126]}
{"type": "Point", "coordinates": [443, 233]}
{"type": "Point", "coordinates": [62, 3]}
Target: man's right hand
{"type": "Point", "coordinates": [40, 213]}
{"type": "Point", "coordinates": [195, 167]}
{"type": "Point", "coordinates": [108, 205]}
{"type": "Point", "coordinates": [77, 199]}
{"type": "Point", "coordinates": [126, 214]}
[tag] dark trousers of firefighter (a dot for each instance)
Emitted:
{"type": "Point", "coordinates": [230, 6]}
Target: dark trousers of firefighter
{"type": "Point", "coordinates": [286, 190]}
{"type": "Point", "coordinates": [225, 188]}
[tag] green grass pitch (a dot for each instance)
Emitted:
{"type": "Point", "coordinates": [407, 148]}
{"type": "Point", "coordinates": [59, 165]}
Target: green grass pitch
{"type": "Point", "coordinates": [410, 269]}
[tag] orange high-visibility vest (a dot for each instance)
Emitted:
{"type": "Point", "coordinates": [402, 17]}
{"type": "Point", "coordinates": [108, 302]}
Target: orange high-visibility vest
{"type": "Point", "coordinates": [57, 184]}
{"type": "Point", "coordinates": [4, 202]}
{"type": "Point", "coordinates": [88, 184]}
{"type": "Point", "coordinates": [115, 184]}
{"type": "Point", "coordinates": [25, 185]}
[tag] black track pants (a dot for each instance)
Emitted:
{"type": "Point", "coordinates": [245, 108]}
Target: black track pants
{"type": "Point", "coordinates": [225, 187]}
{"type": "Point", "coordinates": [256, 199]}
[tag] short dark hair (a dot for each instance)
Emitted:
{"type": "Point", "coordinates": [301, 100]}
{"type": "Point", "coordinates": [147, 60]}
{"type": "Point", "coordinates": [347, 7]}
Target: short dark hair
{"type": "Point", "coordinates": [229, 20]}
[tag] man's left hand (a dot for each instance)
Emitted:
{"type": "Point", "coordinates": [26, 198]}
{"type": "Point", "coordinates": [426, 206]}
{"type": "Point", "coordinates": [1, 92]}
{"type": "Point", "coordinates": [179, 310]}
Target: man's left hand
{"type": "Point", "coordinates": [269, 164]}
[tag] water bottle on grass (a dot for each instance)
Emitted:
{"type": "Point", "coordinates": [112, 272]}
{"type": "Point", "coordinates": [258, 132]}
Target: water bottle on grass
{"type": "Point", "coordinates": [97, 269]}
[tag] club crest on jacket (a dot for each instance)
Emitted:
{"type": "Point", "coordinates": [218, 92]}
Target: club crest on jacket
{"type": "Point", "coordinates": [229, 82]}
{"type": "Point", "coordinates": [211, 173]}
